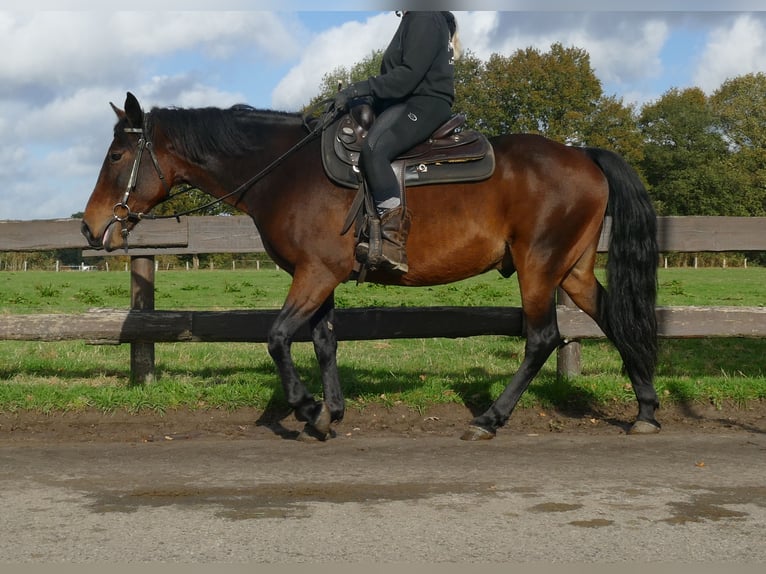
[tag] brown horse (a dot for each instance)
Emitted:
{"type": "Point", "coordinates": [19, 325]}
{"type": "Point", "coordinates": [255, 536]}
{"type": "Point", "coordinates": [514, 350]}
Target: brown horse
{"type": "Point", "coordinates": [540, 215]}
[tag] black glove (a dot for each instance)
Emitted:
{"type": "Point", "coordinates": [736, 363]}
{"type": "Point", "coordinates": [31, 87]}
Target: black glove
{"type": "Point", "coordinates": [341, 100]}
{"type": "Point", "coordinates": [352, 92]}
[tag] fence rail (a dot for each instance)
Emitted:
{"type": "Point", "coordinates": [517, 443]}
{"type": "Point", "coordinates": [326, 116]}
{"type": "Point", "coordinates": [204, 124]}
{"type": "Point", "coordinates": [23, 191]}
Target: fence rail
{"type": "Point", "coordinates": [359, 324]}
{"type": "Point", "coordinates": [237, 234]}
{"type": "Point", "coordinates": [141, 326]}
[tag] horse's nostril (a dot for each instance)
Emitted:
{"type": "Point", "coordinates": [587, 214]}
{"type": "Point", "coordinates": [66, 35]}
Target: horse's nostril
{"type": "Point", "coordinates": [89, 236]}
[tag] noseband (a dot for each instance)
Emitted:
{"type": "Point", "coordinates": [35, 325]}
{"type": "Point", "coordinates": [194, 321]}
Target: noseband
{"type": "Point", "coordinates": [121, 211]}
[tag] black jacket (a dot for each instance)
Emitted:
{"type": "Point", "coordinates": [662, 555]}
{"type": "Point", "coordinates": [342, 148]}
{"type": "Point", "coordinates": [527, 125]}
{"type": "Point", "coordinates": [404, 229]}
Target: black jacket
{"type": "Point", "coordinates": [419, 61]}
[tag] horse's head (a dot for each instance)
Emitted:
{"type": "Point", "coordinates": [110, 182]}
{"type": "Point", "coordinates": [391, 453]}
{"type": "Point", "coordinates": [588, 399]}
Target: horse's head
{"type": "Point", "coordinates": [131, 181]}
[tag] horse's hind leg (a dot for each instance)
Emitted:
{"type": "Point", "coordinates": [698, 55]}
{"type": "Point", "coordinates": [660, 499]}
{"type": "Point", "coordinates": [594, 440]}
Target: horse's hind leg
{"type": "Point", "coordinates": [590, 296]}
{"type": "Point", "coordinates": [542, 339]}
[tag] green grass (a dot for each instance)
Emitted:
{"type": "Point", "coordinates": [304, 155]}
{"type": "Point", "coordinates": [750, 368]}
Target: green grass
{"type": "Point", "coordinates": [73, 375]}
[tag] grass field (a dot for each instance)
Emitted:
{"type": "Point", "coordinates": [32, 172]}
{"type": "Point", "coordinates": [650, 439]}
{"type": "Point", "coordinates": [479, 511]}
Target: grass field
{"type": "Point", "coordinates": [75, 375]}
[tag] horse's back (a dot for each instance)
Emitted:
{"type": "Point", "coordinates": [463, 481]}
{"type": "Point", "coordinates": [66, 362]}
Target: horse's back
{"type": "Point", "coordinates": [540, 190]}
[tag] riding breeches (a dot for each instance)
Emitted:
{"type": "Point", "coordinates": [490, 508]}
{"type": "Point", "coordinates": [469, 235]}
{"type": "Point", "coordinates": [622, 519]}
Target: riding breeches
{"type": "Point", "coordinates": [396, 130]}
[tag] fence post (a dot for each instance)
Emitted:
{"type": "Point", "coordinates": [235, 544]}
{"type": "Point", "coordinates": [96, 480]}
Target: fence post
{"type": "Point", "coordinates": [141, 298]}
{"type": "Point", "coordinates": [568, 355]}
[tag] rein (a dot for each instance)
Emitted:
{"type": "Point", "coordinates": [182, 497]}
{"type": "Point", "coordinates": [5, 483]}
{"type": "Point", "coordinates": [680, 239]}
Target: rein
{"type": "Point", "coordinates": [122, 212]}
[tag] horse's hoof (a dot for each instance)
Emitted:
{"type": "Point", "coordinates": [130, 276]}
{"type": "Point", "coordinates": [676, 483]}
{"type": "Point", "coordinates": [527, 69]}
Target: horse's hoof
{"type": "Point", "coordinates": [319, 430]}
{"type": "Point", "coordinates": [310, 434]}
{"type": "Point", "coordinates": [323, 420]}
{"type": "Point", "coordinates": [474, 433]}
{"type": "Point", "coordinates": [644, 427]}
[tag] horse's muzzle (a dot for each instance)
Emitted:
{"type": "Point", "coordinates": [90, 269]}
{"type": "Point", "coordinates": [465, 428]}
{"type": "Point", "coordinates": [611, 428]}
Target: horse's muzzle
{"type": "Point", "coordinates": [94, 242]}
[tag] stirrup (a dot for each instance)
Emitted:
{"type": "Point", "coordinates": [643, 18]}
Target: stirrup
{"type": "Point", "coordinates": [372, 248]}
{"type": "Point", "coordinates": [381, 262]}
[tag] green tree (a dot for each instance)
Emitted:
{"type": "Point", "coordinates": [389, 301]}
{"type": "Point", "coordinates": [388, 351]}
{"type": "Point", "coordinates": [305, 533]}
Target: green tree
{"type": "Point", "coordinates": [342, 76]}
{"type": "Point", "coordinates": [555, 93]}
{"type": "Point", "coordinates": [194, 200]}
{"type": "Point", "coordinates": [740, 107]}
{"type": "Point", "coordinates": [469, 74]}
{"type": "Point", "coordinates": [683, 149]}
{"type": "Point", "coordinates": [552, 93]}
{"type": "Point", "coordinates": [614, 125]}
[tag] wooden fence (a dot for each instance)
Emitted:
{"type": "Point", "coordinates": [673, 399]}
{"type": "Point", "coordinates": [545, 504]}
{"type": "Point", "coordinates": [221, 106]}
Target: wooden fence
{"type": "Point", "coordinates": [142, 326]}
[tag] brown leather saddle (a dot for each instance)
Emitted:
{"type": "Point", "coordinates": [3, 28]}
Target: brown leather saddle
{"type": "Point", "coordinates": [451, 154]}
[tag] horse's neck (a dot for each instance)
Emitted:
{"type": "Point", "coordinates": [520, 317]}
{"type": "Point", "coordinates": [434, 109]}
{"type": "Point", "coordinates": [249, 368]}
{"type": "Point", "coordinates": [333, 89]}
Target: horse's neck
{"type": "Point", "coordinates": [237, 178]}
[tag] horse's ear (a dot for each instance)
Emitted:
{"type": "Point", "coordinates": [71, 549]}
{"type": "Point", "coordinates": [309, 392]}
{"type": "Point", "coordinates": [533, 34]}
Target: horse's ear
{"type": "Point", "coordinates": [118, 112]}
{"type": "Point", "coordinates": [133, 111]}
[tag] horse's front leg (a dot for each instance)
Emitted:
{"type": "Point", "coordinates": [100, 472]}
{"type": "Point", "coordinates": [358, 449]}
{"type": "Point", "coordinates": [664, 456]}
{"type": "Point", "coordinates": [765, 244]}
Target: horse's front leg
{"type": "Point", "coordinates": [298, 309]}
{"type": "Point", "coordinates": [326, 347]}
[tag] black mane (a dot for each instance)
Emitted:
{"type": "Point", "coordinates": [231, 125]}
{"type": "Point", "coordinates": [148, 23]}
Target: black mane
{"type": "Point", "coordinates": [200, 132]}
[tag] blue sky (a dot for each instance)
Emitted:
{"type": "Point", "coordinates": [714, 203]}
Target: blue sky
{"type": "Point", "coordinates": [61, 68]}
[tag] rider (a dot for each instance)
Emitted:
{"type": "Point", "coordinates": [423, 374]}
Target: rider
{"type": "Point", "coordinates": [412, 96]}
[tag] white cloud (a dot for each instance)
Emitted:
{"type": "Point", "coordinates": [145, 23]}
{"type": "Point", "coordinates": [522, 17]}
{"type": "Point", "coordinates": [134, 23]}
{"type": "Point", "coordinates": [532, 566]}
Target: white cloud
{"type": "Point", "coordinates": [340, 46]}
{"type": "Point", "coordinates": [219, 33]}
{"type": "Point", "coordinates": [66, 116]}
{"type": "Point", "coordinates": [182, 90]}
{"type": "Point", "coordinates": [631, 51]}
{"type": "Point", "coordinates": [621, 47]}
{"type": "Point", "coordinates": [63, 48]}
{"type": "Point", "coordinates": [733, 49]}
{"type": "Point", "coordinates": [477, 32]}
{"type": "Point", "coordinates": [62, 68]}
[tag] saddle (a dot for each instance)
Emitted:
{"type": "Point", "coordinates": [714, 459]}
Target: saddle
{"type": "Point", "coordinates": [451, 154]}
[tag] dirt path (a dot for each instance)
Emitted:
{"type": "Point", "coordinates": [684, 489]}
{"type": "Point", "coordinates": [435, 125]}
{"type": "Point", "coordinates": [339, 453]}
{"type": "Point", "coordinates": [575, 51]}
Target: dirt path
{"type": "Point", "coordinates": [373, 421]}
{"type": "Point", "coordinates": [579, 498]}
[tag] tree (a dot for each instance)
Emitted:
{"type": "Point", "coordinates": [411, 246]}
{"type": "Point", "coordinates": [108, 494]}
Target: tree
{"type": "Point", "coordinates": [614, 126]}
{"type": "Point", "coordinates": [552, 93]}
{"type": "Point", "coordinates": [341, 76]}
{"type": "Point", "coordinates": [683, 149]}
{"type": "Point", "coordinates": [186, 199]}
{"type": "Point", "coordinates": [469, 74]}
{"type": "Point", "coordinates": [740, 107]}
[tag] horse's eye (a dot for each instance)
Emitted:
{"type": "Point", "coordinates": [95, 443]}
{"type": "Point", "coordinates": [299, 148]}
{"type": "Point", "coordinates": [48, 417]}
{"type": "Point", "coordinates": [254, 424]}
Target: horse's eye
{"type": "Point", "coordinates": [115, 156]}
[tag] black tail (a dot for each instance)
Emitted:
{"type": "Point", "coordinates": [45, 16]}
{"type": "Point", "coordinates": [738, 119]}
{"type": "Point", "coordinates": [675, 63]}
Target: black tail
{"type": "Point", "coordinates": [631, 266]}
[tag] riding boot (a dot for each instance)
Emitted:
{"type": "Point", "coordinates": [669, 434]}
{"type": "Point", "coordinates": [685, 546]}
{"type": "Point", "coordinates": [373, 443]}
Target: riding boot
{"type": "Point", "coordinates": [386, 248]}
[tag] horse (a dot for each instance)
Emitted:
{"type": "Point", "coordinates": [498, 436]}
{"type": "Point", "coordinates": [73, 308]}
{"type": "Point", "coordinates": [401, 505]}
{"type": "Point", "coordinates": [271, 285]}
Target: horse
{"type": "Point", "coordinates": [539, 215]}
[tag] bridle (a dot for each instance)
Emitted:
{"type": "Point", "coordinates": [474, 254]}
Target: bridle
{"type": "Point", "coordinates": [121, 211]}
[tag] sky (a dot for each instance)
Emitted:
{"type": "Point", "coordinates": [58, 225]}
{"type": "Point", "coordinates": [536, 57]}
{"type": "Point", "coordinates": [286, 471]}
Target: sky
{"type": "Point", "coordinates": [63, 62]}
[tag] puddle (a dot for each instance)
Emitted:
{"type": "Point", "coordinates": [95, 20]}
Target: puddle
{"type": "Point", "coordinates": [595, 523]}
{"type": "Point", "coordinates": [555, 507]}
{"type": "Point", "coordinates": [274, 500]}
{"type": "Point", "coordinates": [711, 505]}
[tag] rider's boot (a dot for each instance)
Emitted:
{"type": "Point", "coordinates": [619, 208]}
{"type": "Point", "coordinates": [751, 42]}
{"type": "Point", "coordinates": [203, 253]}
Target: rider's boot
{"type": "Point", "coordinates": [388, 237]}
